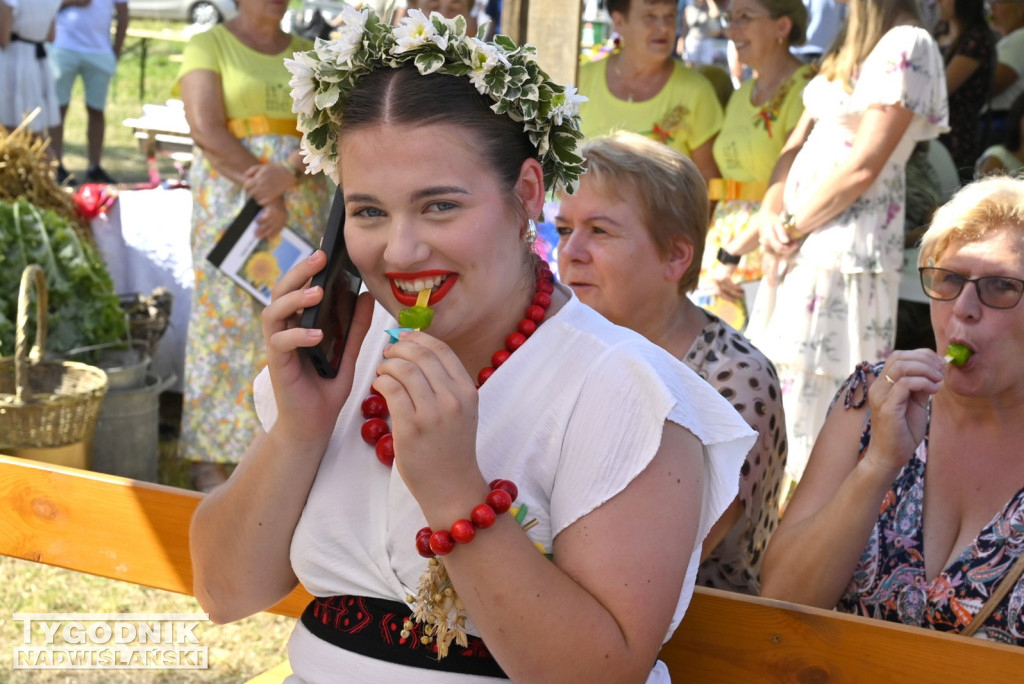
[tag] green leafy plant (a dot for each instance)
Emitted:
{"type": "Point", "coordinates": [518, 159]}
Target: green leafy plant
{"type": "Point", "coordinates": [83, 308]}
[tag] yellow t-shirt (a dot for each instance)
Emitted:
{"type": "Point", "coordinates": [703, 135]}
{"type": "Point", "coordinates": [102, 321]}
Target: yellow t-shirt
{"type": "Point", "coordinates": [751, 138]}
{"type": "Point", "coordinates": [684, 115]}
{"type": "Point", "coordinates": [253, 83]}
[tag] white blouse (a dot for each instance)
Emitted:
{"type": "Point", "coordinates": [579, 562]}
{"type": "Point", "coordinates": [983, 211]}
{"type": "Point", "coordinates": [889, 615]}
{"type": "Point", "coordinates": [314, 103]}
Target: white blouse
{"type": "Point", "coordinates": [572, 418]}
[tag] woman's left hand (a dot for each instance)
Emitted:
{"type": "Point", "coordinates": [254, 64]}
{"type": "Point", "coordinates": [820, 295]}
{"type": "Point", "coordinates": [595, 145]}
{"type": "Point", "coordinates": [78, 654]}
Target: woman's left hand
{"type": "Point", "coordinates": [722, 282]}
{"type": "Point", "coordinates": [267, 182]}
{"type": "Point", "coordinates": [433, 404]}
{"type": "Point", "coordinates": [776, 240]}
{"type": "Point", "coordinates": [271, 219]}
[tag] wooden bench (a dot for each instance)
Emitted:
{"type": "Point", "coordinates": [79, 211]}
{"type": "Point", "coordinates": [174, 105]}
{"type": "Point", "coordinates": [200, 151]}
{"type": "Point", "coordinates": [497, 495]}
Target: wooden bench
{"type": "Point", "coordinates": [163, 129]}
{"type": "Point", "coordinates": [64, 517]}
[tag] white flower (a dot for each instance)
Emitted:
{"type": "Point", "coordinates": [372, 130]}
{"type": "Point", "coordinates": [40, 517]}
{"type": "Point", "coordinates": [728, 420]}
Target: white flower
{"type": "Point", "coordinates": [416, 30]}
{"type": "Point", "coordinates": [313, 160]}
{"type": "Point", "coordinates": [566, 104]}
{"type": "Point", "coordinates": [302, 83]}
{"type": "Point", "coordinates": [482, 58]}
{"type": "Point", "coordinates": [331, 168]}
{"type": "Point", "coordinates": [349, 37]}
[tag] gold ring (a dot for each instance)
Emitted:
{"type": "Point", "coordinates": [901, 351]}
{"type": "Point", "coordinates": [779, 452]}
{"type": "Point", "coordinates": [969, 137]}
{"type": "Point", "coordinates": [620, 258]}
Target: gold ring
{"type": "Point", "coordinates": [890, 380]}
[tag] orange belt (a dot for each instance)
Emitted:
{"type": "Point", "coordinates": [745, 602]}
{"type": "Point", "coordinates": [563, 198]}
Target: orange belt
{"type": "Point", "coordinates": [724, 189]}
{"type": "Point", "coordinates": [262, 125]}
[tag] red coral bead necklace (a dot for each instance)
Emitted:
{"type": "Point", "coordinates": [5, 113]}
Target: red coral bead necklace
{"type": "Point", "coordinates": [377, 433]}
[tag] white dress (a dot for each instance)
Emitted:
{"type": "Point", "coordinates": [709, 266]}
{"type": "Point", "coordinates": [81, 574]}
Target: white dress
{"type": "Point", "coordinates": [26, 81]}
{"type": "Point", "coordinates": [572, 418]}
{"type": "Point", "coordinates": [836, 304]}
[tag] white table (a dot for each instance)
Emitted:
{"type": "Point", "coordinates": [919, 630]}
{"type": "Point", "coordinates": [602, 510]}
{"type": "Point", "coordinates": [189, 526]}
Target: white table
{"type": "Point", "coordinates": [144, 240]}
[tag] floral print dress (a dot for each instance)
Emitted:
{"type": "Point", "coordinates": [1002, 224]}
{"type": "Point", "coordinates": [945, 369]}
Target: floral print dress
{"type": "Point", "coordinates": [889, 582]}
{"type": "Point", "coordinates": [225, 347]}
{"type": "Point", "coordinates": [835, 302]}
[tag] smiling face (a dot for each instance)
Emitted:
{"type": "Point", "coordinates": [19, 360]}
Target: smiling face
{"type": "Point", "coordinates": [424, 210]}
{"type": "Point", "coordinates": [606, 255]}
{"type": "Point", "coordinates": [755, 33]}
{"type": "Point", "coordinates": [648, 28]}
{"type": "Point", "coordinates": [995, 336]}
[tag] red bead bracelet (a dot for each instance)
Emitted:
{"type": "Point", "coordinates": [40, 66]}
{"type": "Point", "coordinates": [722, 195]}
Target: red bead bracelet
{"type": "Point", "coordinates": [430, 544]}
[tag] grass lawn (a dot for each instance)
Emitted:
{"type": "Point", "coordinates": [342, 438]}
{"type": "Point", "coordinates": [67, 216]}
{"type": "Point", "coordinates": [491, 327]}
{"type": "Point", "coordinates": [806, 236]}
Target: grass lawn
{"type": "Point", "coordinates": [237, 651]}
{"type": "Point", "coordinates": [122, 157]}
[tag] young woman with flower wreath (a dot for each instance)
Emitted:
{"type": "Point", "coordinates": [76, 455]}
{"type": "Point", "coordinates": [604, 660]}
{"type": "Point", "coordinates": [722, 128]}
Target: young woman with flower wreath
{"type": "Point", "coordinates": [613, 457]}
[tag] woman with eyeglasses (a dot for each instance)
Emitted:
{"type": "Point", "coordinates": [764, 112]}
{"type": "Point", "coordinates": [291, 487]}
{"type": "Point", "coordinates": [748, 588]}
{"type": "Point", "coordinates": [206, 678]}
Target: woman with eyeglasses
{"type": "Point", "coordinates": [912, 506]}
{"type": "Point", "coordinates": [832, 218]}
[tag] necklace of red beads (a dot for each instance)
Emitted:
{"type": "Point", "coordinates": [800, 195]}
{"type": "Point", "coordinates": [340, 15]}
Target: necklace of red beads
{"type": "Point", "coordinates": [376, 431]}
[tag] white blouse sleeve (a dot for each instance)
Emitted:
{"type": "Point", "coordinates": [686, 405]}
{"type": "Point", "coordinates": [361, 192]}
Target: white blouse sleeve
{"type": "Point", "coordinates": [906, 68]}
{"type": "Point", "coordinates": [616, 427]}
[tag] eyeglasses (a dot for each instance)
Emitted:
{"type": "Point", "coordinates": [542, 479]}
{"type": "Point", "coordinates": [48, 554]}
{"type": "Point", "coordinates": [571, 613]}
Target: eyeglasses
{"type": "Point", "coordinates": [997, 292]}
{"type": "Point", "coordinates": [739, 20]}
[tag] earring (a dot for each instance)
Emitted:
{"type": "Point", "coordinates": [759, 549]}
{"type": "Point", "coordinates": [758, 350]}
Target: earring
{"type": "Point", "coordinates": [530, 234]}
{"type": "Point", "coordinates": [782, 41]}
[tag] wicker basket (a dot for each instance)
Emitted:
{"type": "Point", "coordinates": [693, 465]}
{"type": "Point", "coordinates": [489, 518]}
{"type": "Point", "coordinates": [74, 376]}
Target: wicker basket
{"type": "Point", "coordinates": [45, 403]}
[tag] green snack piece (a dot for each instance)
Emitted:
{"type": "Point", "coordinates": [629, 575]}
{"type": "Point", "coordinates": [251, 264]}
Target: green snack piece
{"type": "Point", "coordinates": [416, 317]}
{"type": "Point", "coordinates": [957, 354]}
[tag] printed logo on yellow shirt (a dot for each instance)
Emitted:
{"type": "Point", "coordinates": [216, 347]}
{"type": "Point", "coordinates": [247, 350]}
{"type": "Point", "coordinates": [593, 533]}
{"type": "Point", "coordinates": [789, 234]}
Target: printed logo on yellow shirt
{"type": "Point", "coordinates": [672, 123]}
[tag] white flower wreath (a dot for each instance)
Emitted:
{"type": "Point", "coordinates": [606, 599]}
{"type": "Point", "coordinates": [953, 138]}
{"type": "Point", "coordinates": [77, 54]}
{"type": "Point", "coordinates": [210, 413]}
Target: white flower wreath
{"type": "Point", "coordinates": [323, 78]}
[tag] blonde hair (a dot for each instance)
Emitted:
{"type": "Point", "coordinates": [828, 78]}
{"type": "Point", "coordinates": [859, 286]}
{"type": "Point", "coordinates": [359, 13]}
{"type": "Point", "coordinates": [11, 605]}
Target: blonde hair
{"type": "Point", "coordinates": [866, 22]}
{"type": "Point", "coordinates": [664, 184]}
{"type": "Point", "coordinates": [991, 204]}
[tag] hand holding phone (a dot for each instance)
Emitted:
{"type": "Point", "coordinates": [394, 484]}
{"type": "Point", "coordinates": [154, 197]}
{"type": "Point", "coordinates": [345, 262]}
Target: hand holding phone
{"type": "Point", "coordinates": [340, 281]}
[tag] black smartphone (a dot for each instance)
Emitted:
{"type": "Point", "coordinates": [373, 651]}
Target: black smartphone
{"type": "Point", "coordinates": [341, 281]}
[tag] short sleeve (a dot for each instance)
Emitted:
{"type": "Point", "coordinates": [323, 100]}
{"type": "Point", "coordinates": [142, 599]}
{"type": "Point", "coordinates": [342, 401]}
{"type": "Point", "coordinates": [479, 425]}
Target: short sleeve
{"type": "Point", "coordinates": [621, 412]}
{"type": "Point", "coordinates": [974, 46]}
{"type": "Point", "coordinates": [706, 116]}
{"type": "Point", "coordinates": [906, 68]}
{"type": "Point", "coordinates": [202, 52]}
{"type": "Point", "coordinates": [1010, 51]}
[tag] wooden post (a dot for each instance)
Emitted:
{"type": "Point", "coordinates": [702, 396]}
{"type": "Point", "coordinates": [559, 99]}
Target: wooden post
{"type": "Point", "coordinates": [553, 26]}
{"type": "Point", "coordinates": [513, 18]}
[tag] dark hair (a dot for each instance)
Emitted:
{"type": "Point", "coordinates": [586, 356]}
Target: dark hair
{"type": "Point", "coordinates": [1011, 137]}
{"type": "Point", "coordinates": [622, 6]}
{"type": "Point", "coordinates": [970, 14]}
{"type": "Point", "coordinates": [403, 96]}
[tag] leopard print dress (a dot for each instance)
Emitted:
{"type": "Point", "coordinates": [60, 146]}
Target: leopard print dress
{"type": "Point", "coordinates": [744, 376]}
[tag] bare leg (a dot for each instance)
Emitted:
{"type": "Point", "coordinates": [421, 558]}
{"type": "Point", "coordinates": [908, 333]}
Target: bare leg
{"type": "Point", "coordinates": [95, 132]}
{"type": "Point", "coordinates": [51, 133]}
{"type": "Point", "coordinates": [57, 136]}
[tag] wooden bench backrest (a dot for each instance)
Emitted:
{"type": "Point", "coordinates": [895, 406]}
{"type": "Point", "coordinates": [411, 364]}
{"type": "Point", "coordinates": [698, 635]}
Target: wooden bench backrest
{"type": "Point", "coordinates": [138, 532]}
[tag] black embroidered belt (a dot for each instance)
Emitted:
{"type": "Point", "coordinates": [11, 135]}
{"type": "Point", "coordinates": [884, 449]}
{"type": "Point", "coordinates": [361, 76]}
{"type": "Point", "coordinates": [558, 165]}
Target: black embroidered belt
{"type": "Point", "coordinates": [372, 627]}
{"type": "Point", "coordinates": [40, 47]}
